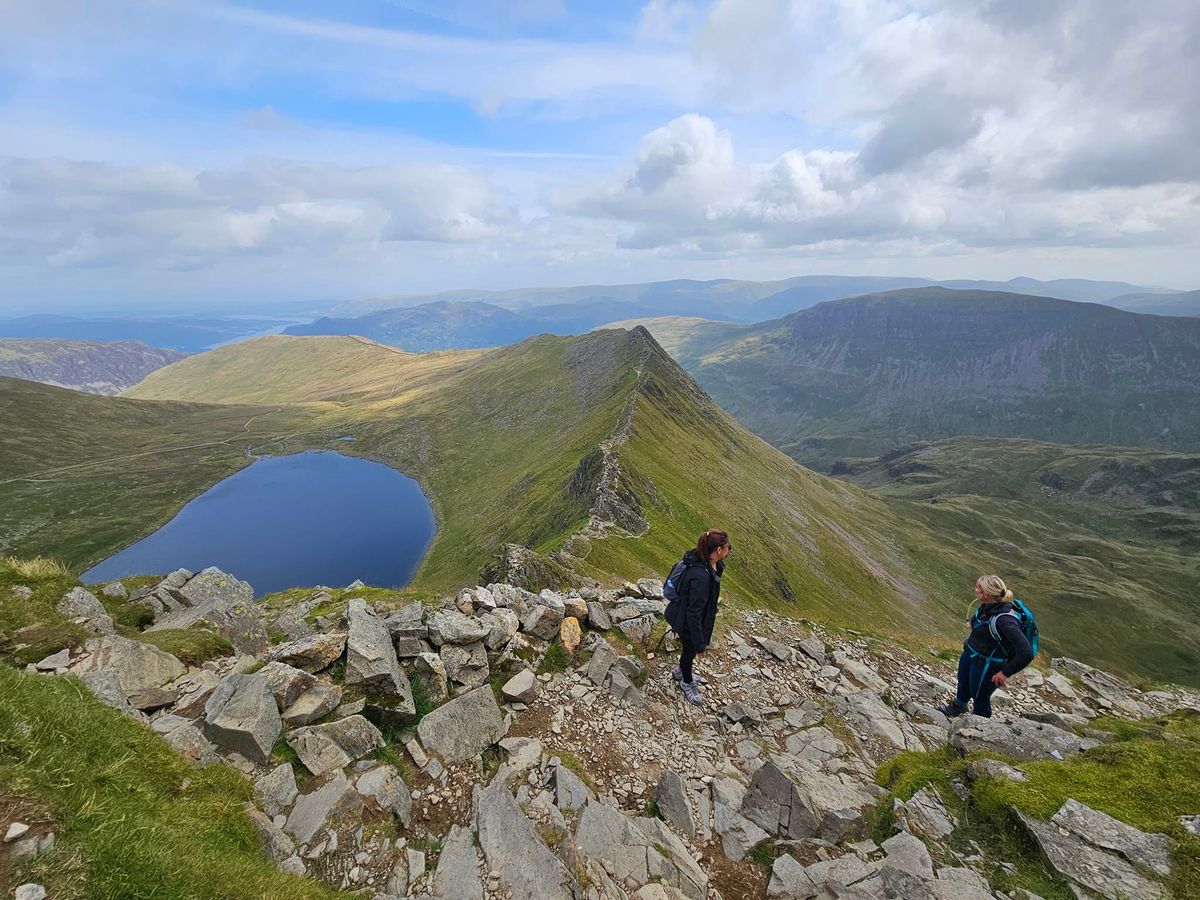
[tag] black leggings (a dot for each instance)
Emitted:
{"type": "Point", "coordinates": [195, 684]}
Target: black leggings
{"type": "Point", "coordinates": [687, 653]}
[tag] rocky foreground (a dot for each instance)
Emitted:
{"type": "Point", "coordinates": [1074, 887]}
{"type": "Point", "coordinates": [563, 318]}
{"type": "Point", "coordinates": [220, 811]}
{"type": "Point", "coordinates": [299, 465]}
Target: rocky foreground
{"type": "Point", "coordinates": [507, 744]}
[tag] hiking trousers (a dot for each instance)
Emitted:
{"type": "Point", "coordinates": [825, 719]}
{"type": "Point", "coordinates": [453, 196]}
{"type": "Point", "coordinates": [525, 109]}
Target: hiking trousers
{"type": "Point", "coordinates": [975, 682]}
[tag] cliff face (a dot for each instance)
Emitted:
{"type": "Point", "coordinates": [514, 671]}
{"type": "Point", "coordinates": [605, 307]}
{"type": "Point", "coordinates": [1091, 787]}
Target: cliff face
{"type": "Point", "coordinates": [932, 363]}
{"type": "Point", "coordinates": [90, 366]}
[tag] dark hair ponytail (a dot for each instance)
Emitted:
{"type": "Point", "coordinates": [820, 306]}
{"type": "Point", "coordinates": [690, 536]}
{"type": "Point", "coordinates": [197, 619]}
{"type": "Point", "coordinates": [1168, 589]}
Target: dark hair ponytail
{"type": "Point", "coordinates": [710, 542]}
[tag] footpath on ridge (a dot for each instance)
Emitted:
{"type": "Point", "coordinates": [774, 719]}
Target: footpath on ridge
{"type": "Point", "coordinates": [509, 744]}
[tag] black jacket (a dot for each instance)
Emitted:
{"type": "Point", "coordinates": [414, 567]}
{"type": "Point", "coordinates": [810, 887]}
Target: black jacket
{"type": "Point", "coordinates": [693, 615]}
{"type": "Point", "coordinates": [1013, 646]}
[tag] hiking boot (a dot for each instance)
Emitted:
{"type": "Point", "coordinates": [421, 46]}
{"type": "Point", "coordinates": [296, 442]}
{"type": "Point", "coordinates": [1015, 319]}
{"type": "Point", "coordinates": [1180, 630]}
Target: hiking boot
{"type": "Point", "coordinates": [691, 693]}
{"type": "Point", "coordinates": [951, 710]}
{"type": "Point", "coordinates": [677, 674]}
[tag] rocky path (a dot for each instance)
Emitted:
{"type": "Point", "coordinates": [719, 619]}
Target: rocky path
{"type": "Point", "coordinates": [558, 759]}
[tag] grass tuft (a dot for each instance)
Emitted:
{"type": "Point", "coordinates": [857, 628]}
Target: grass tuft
{"type": "Point", "coordinates": [37, 568]}
{"type": "Point", "coordinates": [193, 646]}
{"type": "Point", "coordinates": [555, 659]}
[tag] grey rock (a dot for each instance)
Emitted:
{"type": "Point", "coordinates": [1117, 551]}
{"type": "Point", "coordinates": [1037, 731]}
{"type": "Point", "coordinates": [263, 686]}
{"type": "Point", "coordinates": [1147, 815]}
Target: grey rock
{"type": "Point", "coordinates": [189, 742]}
{"type": "Point", "coordinates": [407, 647]}
{"type": "Point", "coordinates": [241, 717]}
{"type": "Point", "coordinates": [814, 648]}
{"type": "Point", "coordinates": [542, 622]}
{"type": "Point", "coordinates": [738, 834]}
{"type": "Point", "coordinates": [571, 794]}
{"type": "Point", "coordinates": [1121, 694]}
{"type": "Point", "coordinates": [502, 625]}
{"type": "Point", "coordinates": [739, 712]}
{"type": "Point", "coordinates": [370, 657]}
{"type": "Point", "coordinates": [639, 850]}
{"type": "Point", "coordinates": [993, 768]}
{"type": "Point", "coordinates": [335, 797]}
{"type": "Point", "coordinates": [278, 846]}
{"type": "Point", "coordinates": [602, 660]}
{"type": "Point", "coordinates": [448, 626]}
{"type": "Point", "coordinates": [960, 884]}
{"type": "Point", "coordinates": [1089, 867]}
{"type": "Point", "coordinates": [522, 687]}
{"type": "Point", "coordinates": [621, 687]}
{"type": "Point", "coordinates": [789, 881]}
{"type": "Point", "coordinates": [407, 622]}
{"type": "Point", "coordinates": [909, 854]}
{"type": "Point", "coordinates": [194, 690]}
{"type": "Point", "coordinates": [312, 654]}
{"type": "Point", "coordinates": [82, 605]}
{"type": "Point", "coordinates": [1191, 824]}
{"type": "Point", "coordinates": [598, 617]}
{"type": "Point", "coordinates": [1103, 831]}
{"type": "Point", "coordinates": [637, 629]}
{"type": "Point", "coordinates": [106, 688]}
{"type": "Point", "coordinates": [512, 849]}
{"type": "Point", "coordinates": [151, 699]}
{"type": "Point", "coordinates": [116, 590]}
{"type": "Point", "coordinates": [430, 673]}
{"type": "Point", "coordinates": [843, 871]}
{"type": "Point", "coordinates": [315, 703]}
{"type": "Point", "coordinates": [30, 891]}
{"type": "Point", "coordinates": [575, 608]}
{"type": "Point", "coordinates": [1018, 738]}
{"type": "Point", "coordinates": [137, 666]}
{"type": "Point", "coordinates": [457, 874]}
{"type": "Point", "coordinates": [925, 815]}
{"type": "Point", "coordinates": [866, 710]}
{"type": "Point", "coordinates": [674, 803]}
{"type": "Point", "coordinates": [389, 790]}
{"type": "Point", "coordinates": [466, 664]}
{"type": "Point", "coordinates": [287, 683]}
{"type": "Point", "coordinates": [464, 727]}
{"type": "Point", "coordinates": [223, 602]}
{"type": "Point", "coordinates": [276, 790]}
{"type": "Point", "coordinates": [523, 753]}
{"type": "Point", "coordinates": [774, 803]}
{"type": "Point", "coordinates": [54, 661]}
{"type": "Point", "coordinates": [334, 745]}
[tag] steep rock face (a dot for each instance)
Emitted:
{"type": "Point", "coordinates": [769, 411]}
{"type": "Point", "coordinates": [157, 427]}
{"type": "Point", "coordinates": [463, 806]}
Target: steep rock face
{"type": "Point", "coordinates": [90, 366]}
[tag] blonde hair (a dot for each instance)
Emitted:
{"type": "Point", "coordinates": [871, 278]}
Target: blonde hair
{"type": "Point", "coordinates": [994, 586]}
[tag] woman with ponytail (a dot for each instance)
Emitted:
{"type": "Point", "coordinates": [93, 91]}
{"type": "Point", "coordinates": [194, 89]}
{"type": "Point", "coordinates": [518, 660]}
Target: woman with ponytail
{"type": "Point", "coordinates": [694, 613]}
{"type": "Point", "coordinates": [995, 651]}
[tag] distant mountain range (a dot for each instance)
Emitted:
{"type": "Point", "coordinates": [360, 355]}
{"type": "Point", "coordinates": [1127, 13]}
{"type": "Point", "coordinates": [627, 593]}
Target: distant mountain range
{"type": "Point", "coordinates": [857, 377]}
{"type": "Point", "coordinates": [465, 319]}
{"type": "Point", "coordinates": [89, 366]}
{"type": "Point", "coordinates": [189, 334]}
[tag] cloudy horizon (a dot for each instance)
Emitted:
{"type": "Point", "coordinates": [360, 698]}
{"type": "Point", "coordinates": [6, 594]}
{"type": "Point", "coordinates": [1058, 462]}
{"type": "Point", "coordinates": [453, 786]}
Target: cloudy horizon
{"type": "Point", "coordinates": [190, 153]}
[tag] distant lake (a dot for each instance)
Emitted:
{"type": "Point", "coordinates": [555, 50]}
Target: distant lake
{"type": "Point", "coordinates": [288, 521]}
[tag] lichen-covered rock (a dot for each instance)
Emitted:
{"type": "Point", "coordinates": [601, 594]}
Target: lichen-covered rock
{"type": "Point", "coordinates": [464, 727]}
{"type": "Point", "coordinates": [83, 606]}
{"type": "Point", "coordinates": [388, 789]}
{"type": "Point", "coordinates": [334, 745]}
{"type": "Point", "coordinates": [287, 683]}
{"type": "Point", "coordinates": [449, 626]}
{"type": "Point", "coordinates": [312, 654]}
{"type": "Point", "coordinates": [318, 701]}
{"type": "Point", "coordinates": [137, 666]}
{"type": "Point", "coordinates": [276, 790]}
{"type": "Point", "coordinates": [241, 717]}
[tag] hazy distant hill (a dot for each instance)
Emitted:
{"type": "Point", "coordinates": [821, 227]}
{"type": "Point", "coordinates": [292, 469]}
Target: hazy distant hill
{"type": "Point", "coordinates": [91, 366]}
{"type": "Point", "coordinates": [857, 377]}
{"type": "Point", "coordinates": [1080, 289]}
{"type": "Point", "coordinates": [190, 334]}
{"type": "Point", "coordinates": [1184, 303]}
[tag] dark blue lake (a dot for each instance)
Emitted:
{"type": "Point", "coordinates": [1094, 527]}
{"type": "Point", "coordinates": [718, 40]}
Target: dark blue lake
{"type": "Point", "coordinates": [289, 521]}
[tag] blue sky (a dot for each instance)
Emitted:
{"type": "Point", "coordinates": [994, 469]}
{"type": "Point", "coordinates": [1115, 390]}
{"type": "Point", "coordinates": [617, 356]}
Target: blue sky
{"type": "Point", "coordinates": [157, 152]}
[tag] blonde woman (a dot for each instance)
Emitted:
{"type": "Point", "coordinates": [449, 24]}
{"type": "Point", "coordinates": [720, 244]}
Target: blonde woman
{"type": "Point", "coordinates": [995, 651]}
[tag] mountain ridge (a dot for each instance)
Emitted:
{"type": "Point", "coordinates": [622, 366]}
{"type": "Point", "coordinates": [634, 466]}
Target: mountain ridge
{"type": "Point", "coordinates": [93, 367]}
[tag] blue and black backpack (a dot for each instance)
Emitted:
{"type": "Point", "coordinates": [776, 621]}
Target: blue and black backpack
{"type": "Point", "coordinates": [671, 583]}
{"type": "Point", "coordinates": [1025, 618]}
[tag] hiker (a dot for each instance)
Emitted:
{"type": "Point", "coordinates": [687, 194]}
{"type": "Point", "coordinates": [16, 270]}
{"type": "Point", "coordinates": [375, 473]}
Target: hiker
{"type": "Point", "coordinates": [995, 651]}
{"type": "Point", "coordinates": [693, 612]}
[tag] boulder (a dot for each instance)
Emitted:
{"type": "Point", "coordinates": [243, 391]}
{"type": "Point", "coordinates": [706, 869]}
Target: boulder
{"type": "Point", "coordinates": [908, 854]}
{"type": "Point", "coordinates": [622, 688]}
{"type": "Point", "coordinates": [241, 717]}
{"type": "Point", "coordinates": [925, 815]}
{"type": "Point", "coordinates": [814, 648]}
{"type": "Point", "coordinates": [334, 798]}
{"type": "Point", "coordinates": [466, 664]}
{"type": "Point", "coordinates": [287, 683]}
{"type": "Point", "coordinates": [430, 673]}
{"type": "Point", "coordinates": [597, 616]}
{"type": "Point", "coordinates": [526, 866]}
{"type": "Point", "coordinates": [637, 629]}
{"type": "Point", "coordinates": [523, 753]}
{"type": "Point", "coordinates": [55, 661]}
{"type": "Point", "coordinates": [457, 873]}
{"type": "Point", "coordinates": [774, 803]}
{"type": "Point", "coordinates": [137, 666]}
{"type": "Point", "coordinates": [334, 745]}
{"type": "Point", "coordinates": [194, 690]}
{"type": "Point", "coordinates": [116, 590]}
{"type": "Point", "coordinates": [464, 727]}
{"type": "Point", "coordinates": [189, 742]}
{"type": "Point", "coordinates": [407, 621]}
{"type": "Point", "coordinates": [738, 834]}
{"type": "Point", "coordinates": [866, 711]}
{"type": "Point", "coordinates": [651, 589]}
{"type": "Point", "coordinates": [315, 703]}
{"type": "Point", "coordinates": [603, 658]}
{"type": "Point", "coordinates": [570, 634]}
{"type": "Point", "coordinates": [312, 654]}
{"type": "Point", "coordinates": [1121, 694]}
{"type": "Point", "coordinates": [152, 699]}
{"type": "Point", "coordinates": [222, 601]}
{"type": "Point", "coordinates": [570, 793]}
{"type": "Point", "coordinates": [277, 845]}
{"type": "Point", "coordinates": [502, 625]}
{"type": "Point", "coordinates": [449, 626]}
{"type": "Point", "coordinates": [106, 688]}
{"type": "Point", "coordinates": [1017, 738]}
{"type": "Point", "coordinates": [542, 622]}
{"type": "Point", "coordinates": [789, 881]}
{"type": "Point", "coordinates": [276, 790]}
{"type": "Point", "coordinates": [84, 607]}
{"type": "Point", "coordinates": [387, 787]}
{"type": "Point", "coordinates": [370, 657]}
{"type": "Point", "coordinates": [522, 687]}
{"type": "Point", "coordinates": [1089, 867]}
{"type": "Point", "coordinates": [1101, 830]}
{"type": "Point", "coordinates": [675, 804]}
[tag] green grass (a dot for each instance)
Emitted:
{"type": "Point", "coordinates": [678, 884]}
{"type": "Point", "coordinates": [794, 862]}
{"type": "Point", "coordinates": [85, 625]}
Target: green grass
{"type": "Point", "coordinates": [32, 629]}
{"type": "Point", "coordinates": [555, 659]}
{"type": "Point", "coordinates": [140, 821]}
{"type": "Point", "coordinates": [192, 646]}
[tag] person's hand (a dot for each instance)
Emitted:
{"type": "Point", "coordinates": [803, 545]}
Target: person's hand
{"type": "Point", "coordinates": [999, 679]}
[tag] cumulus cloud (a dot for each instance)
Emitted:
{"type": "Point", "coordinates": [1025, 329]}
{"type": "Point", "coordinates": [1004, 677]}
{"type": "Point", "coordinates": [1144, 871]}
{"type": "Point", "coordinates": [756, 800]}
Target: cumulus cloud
{"type": "Point", "coordinates": [83, 214]}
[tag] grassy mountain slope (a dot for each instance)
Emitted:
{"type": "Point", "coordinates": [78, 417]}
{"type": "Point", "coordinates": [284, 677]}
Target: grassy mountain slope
{"type": "Point", "coordinates": [90, 366]}
{"type": "Point", "coordinates": [280, 369]}
{"type": "Point", "coordinates": [857, 377]}
{"type": "Point", "coordinates": [431, 326]}
{"type": "Point", "coordinates": [1096, 538]}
